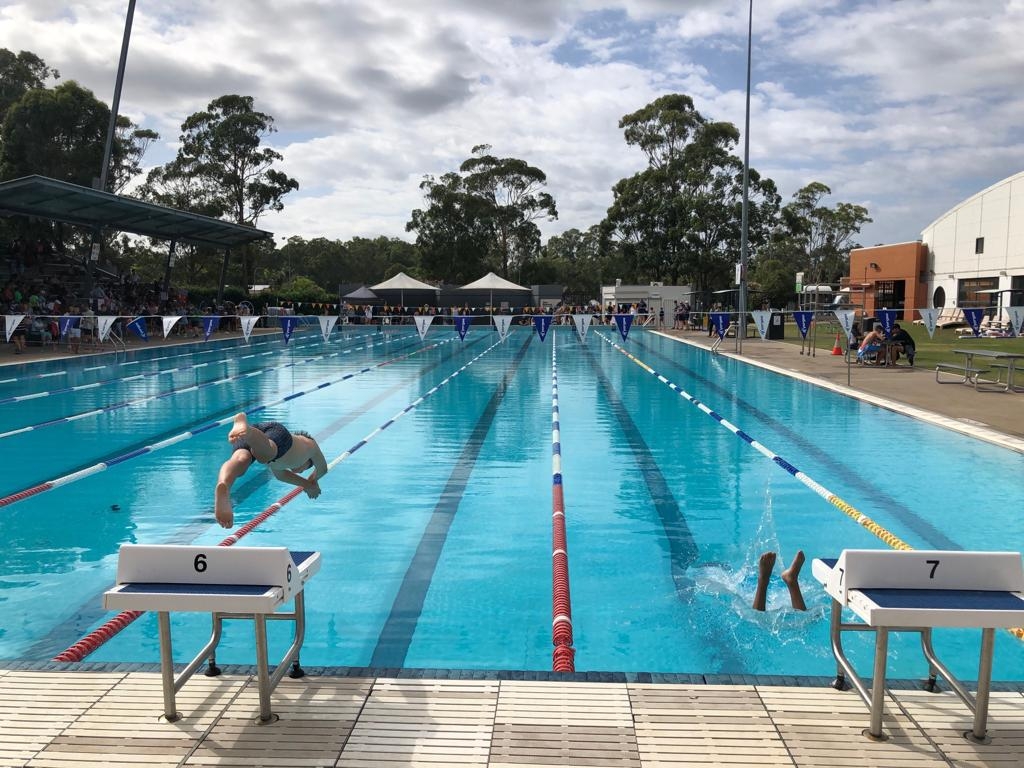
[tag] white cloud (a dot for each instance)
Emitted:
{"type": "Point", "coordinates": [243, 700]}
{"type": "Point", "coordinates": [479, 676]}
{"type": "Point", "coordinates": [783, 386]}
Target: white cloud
{"type": "Point", "coordinates": [905, 107]}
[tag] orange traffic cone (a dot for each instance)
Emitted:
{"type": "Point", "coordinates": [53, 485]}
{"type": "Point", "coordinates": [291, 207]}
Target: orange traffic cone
{"type": "Point", "coordinates": [836, 350]}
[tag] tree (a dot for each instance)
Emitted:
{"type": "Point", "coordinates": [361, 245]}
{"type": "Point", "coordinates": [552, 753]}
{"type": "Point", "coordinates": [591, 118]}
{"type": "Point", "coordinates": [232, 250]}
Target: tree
{"type": "Point", "coordinates": [453, 231]}
{"type": "Point", "coordinates": [221, 154]}
{"type": "Point", "coordinates": [482, 215]}
{"type": "Point", "coordinates": [19, 74]}
{"type": "Point", "coordinates": [513, 188]}
{"type": "Point", "coordinates": [680, 218]}
{"type": "Point", "coordinates": [816, 239]}
{"type": "Point", "coordinates": [58, 133]}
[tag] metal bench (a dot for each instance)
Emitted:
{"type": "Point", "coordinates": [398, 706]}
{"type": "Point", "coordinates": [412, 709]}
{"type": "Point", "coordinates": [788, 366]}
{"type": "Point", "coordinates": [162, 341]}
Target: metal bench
{"type": "Point", "coordinates": [968, 374]}
{"type": "Point", "coordinates": [915, 592]}
{"type": "Point", "coordinates": [228, 582]}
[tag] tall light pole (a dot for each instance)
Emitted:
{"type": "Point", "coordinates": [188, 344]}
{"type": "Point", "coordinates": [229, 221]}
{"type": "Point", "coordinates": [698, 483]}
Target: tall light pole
{"type": "Point", "coordinates": [741, 329]}
{"type": "Point", "coordinates": [108, 148]}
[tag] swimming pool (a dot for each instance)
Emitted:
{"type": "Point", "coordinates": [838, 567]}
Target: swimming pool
{"type": "Point", "coordinates": [436, 532]}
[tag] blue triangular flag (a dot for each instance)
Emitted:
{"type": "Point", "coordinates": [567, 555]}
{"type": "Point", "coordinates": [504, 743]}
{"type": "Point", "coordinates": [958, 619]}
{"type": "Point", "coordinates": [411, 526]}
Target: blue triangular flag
{"type": "Point", "coordinates": [973, 316]}
{"type": "Point", "coordinates": [210, 324]}
{"type": "Point", "coordinates": [462, 325]}
{"type": "Point", "coordinates": [67, 321]}
{"type": "Point", "coordinates": [887, 317]}
{"type": "Point", "coordinates": [624, 323]}
{"type": "Point", "coordinates": [720, 320]}
{"type": "Point", "coordinates": [288, 323]}
{"type": "Point", "coordinates": [803, 321]}
{"type": "Point", "coordinates": [138, 326]}
{"type": "Point", "coordinates": [542, 323]}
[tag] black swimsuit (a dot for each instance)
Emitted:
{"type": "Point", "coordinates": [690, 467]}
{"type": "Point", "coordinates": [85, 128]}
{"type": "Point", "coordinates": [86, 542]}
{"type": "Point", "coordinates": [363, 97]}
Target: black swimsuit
{"type": "Point", "coordinates": [275, 431]}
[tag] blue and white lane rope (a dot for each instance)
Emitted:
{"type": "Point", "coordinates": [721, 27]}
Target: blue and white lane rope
{"type": "Point", "coordinates": [183, 390]}
{"type": "Point", "coordinates": [101, 466]}
{"type": "Point", "coordinates": [563, 656]}
{"type": "Point", "coordinates": [140, 376]}
{"type": "Point", "coordinates": [262, 341]}
{"type": "Point", "coordinates": [859, 517]}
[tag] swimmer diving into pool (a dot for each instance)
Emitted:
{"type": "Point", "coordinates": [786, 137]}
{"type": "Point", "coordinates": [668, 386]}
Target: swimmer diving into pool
{"type": "Point", "coordinates": [285, 453]}
{"type": "Point", "coordinates": [790, 577]}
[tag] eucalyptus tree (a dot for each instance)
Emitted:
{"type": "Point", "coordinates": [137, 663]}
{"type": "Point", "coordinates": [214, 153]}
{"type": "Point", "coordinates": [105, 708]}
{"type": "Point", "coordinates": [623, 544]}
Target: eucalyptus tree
{"type": "Point", "coordinates": [453, 231]}
{"type": "Point", "coordinates": [514, 189]}
{"type": "Point", "coordinates": [222, 154]}
{"type": "Point", "coordinates": [679, 218]}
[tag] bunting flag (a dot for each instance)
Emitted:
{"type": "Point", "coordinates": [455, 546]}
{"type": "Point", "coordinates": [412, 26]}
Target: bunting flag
{"type": "Point", "coordinates": [248, 323]}
{"type": "Point", "coordinates": [845, 318]}
{"type": "Point", "coordinates": [138, 327]}
{"type": "Point", "coordinates": [930, 318]}
{"type": "Point", "coordinates": [761, 319]}
{"type": "Point", "coordinates": [210, 324]}
{"type": "Point", "coordinates": [541, 323]}
{"type": "Point", "coordinates": [973, 315]}
{"type": "Point", "coordinates": [623, 322]}
{"type": "Point", "coordinates": [11, 322]}
{"type": "Point", "coordinates": [462, 325]}
{"type": "Point", "coordinates": [327, 323]}
{"type": "Point", "coordinates": [106, 322]}
{"type": "Point", "coordinates": [582, 323]}
{"type": "Point", "coordinates": [886, 317]}
{"type": "Point", "coordinates": [423, 324]}
{"type": "Point", "coordinates": [803, 320]}
{"type": "Point", "coordinates": [502, 323]}
{"type": "Point", "coordinates": [288, 323]}
{"type": "Point", "coordinates": [720, 320]}
{"type": "Point", "coordinates": [66, 322]}
{"type": "Point", "coordinates": [169, 321]}
{"type": "Point", "coordinates": [1016, 318]}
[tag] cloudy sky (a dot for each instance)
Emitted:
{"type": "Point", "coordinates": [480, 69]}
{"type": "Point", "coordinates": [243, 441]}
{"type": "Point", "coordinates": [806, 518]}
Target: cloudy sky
{"type": "Point", "coordinates": [903, 106]}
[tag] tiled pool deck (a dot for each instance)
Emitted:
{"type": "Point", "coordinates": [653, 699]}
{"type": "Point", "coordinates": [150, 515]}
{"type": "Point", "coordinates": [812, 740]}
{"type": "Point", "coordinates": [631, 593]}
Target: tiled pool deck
{"type": "Point", "coordinates": [99, 715]}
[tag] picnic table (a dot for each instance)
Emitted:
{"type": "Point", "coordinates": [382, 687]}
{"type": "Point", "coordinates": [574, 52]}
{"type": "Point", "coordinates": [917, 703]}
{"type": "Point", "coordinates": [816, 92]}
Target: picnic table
{"type": "Point", "coordinates": [994, 359]}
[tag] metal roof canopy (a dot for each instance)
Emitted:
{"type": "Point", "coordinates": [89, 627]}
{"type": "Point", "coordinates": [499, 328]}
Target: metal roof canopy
{"type": "Point", "coordinates": [47, 198]}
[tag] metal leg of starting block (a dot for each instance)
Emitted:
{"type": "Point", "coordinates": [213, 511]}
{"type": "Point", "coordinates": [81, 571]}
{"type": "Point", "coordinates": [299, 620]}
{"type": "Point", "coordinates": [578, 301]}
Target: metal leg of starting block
{"type": "Point", "coordinates": [171, 713]}
{"type": "Point", "coordinates": [878, 683]}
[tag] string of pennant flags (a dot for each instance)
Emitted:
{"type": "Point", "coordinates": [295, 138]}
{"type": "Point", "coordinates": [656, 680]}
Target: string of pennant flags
{"type": "Point", "coordinates": [327, 323]}
{"type": "Point", "coordinates": [503, 323]}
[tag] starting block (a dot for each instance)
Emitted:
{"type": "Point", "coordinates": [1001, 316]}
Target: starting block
{"type": "Point", "coordinates": [228, 582]}
{"type": "Point", "coordinates": [917, 591]}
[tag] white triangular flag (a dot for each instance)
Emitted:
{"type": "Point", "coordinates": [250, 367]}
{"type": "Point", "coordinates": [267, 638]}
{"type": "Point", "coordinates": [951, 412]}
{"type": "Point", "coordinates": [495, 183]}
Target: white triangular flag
{"type": "Point", "coordinates": [422, 324]}
{"type": "Point", "coordinates": [327, 323]}
{"type": "Point", "coordinates": [169, 321]}
{"type": "Point", "coordinates": [248, 323]}
{"type": "Point", "coordinates": [761, 319]}
{"type": "Point", "coordinates": [106, 322]}
{"type": "Point", "coordinates": [12, 322]}
{"type": "Point", "coordinates": [930, 317]}
{"type": "Point", "coordinates": [502, 323]}
{"type": "Point", "coordinates": [582, 322]}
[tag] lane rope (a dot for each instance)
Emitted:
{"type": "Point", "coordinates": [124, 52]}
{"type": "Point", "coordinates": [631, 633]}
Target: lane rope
{"type": "Point", "coordinates": [88, 644]}
{"type": "Point", "coordinates": [193, 388]}
{"type": "Point", "coordinates": [848, 509]}
{"type": "Point", "coordinates": [174, 440]}
{"type": "Point", "coordinates": [563, 656]}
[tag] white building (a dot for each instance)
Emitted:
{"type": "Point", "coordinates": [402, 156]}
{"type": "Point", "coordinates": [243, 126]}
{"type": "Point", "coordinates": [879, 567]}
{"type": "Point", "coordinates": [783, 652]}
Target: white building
{"type": "Point", "coordinates": [655, 295]}
{"type": "Point", "coordinates": [976, 249]}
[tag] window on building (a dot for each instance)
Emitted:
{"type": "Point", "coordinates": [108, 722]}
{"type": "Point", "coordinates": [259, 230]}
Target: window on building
{"type": "Point", "coordinates": [969, 292]}
{"type": "Point", "coordinates": [979, 245]}
{"type": "Point", "coordinates": [890, 294]}
{"type": "Point", "coordinates": [1016, 298]}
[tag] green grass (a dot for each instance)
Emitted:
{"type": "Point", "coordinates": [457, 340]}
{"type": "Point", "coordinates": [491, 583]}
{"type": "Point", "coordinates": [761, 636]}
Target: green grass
{"type": "Point", "coordinates": [930, 351]}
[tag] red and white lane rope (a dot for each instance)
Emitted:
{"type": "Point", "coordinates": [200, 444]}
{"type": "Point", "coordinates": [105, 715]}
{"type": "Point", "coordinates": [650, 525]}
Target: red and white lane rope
{"type": "Point", "coordinates": [102, 634]}
{"type": "Point", "coordinates": [96, 468]}
{"type": "Point", "coordinates": [563, 657]}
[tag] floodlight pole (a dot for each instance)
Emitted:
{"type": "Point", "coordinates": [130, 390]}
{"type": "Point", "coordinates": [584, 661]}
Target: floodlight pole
{"type": "Point", "coordinates": [108, 149]}
{"type": "Point", "coordinates": [741, 328]}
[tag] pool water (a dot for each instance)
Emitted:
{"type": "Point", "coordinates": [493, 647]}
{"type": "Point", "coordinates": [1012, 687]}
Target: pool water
{"type": "Point", "coordinates": [436, 533]}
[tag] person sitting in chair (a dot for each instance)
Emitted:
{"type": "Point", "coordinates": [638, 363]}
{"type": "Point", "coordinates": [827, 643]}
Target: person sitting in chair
{"type": "Point", "coordinates": [872, 345]}
{"type": "Point", "coordinates": [904, 344]}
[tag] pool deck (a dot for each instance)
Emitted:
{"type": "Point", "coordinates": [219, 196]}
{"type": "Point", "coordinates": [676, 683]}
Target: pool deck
{"type": "Point", "coordinates": [56, 715]}
{"type": "Point", "coordinates": [58, 719]}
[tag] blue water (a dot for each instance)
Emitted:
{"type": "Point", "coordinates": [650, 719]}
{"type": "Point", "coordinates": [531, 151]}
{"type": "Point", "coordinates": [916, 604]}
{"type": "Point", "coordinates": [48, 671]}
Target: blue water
{"type": "Point", "coordinates": [667, 512]}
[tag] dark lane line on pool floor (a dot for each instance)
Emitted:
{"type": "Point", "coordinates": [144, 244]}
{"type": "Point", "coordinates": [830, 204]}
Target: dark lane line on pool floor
{"type": "Point", "coordinates": [683, 550]}
{"type": "Point", "coordinates": [90, 612]}
{"type": "Point", "coordinates": [397, 633]}
{"type": "Point", "coordinates": [932, 536]}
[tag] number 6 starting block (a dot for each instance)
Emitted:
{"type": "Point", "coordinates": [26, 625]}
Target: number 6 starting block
{"type": "Point", "coordinates": [917, 591]}
{"type": "Point", "coordinates": [228, 582]}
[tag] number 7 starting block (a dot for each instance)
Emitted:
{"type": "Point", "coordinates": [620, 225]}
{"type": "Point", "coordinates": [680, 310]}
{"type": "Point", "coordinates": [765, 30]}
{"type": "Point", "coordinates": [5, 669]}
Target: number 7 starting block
{"type": "Point", "coordinates": [917, 591]}
{"type": "Point", "coordinates": [228, 582]}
